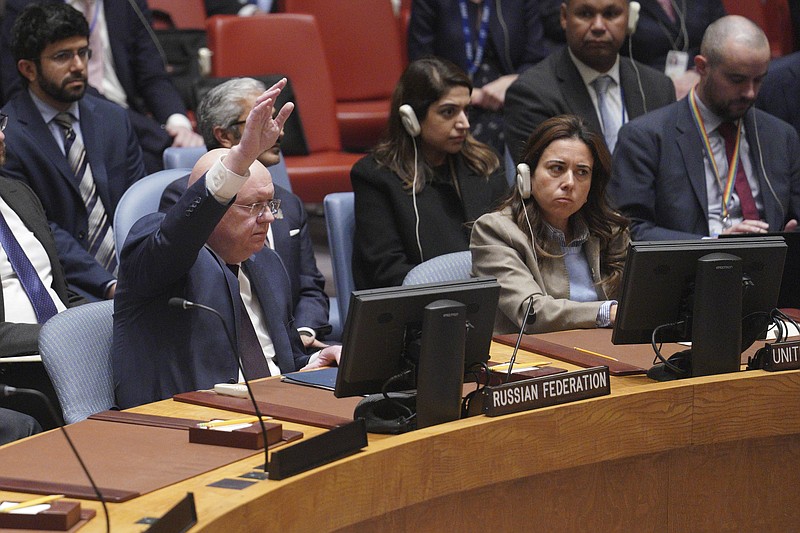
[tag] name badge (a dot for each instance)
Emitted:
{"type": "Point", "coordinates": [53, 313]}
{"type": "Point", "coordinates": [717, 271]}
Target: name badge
{"type": "Point", "coordinates": [782, 356]}
{"type": "Point", "coordinates": [677, 63]}
{"type": "Point", "coordinates": [546, 391]}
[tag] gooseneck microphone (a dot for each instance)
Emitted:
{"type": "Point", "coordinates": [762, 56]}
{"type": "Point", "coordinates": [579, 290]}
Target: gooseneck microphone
{"type": "Point", "coordinates": [6, 390]}
{"type": "Point", "coordinates": [182, 303]}
{"type": "Point", "coordinates": [529, 318]}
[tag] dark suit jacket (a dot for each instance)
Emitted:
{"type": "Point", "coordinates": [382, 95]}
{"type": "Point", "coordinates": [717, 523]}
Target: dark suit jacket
{"type": "Point", "coordinates": [780, 91]}
{"type": "Point", "coordinates": [151, 96]}
{"type": "Point", "coordinates": [22, 339]}
{"type": "Point", "coordinates": [659, 179]}
{"type": "Point", "coordinates": [158, 350]}
{"type": "Point", "coordinates": [655, 31]}
{"type": "Point", "coordinates": [555, 87]}
{"type": "Point", "coordinates": [35, 158]}
{"type": "Point", "coordinates": [294, 247]}
{"type": "Point", "coordinates": [515, 33]}
{"type": "Point", "coordinates": [385, 246]}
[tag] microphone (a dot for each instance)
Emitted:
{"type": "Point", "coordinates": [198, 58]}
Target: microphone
{"type": "Point", "coordinates": [182, 303]}
{"type": "Point", "coordinates": [530, 318]}
{"type": "Point", "coordinates": [7, 390]}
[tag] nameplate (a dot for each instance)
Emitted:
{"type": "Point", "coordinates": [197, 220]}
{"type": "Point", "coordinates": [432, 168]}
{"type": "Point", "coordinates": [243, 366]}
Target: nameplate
{"type": "Point", "coordinates": [546, 391]}
{"type": "Point", "coordinates": [782, 356]}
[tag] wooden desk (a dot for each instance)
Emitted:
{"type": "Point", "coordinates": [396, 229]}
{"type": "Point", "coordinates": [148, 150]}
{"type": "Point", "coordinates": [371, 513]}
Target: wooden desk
{"type": "Point", "coordinates": [717, 453]}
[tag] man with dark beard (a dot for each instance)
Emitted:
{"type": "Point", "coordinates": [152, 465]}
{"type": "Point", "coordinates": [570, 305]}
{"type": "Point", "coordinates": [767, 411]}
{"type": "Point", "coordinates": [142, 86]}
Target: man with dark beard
{"type": "Point", "coordinates": [711, 163]}
{"type": "Point", "coordinates": [77, 152]}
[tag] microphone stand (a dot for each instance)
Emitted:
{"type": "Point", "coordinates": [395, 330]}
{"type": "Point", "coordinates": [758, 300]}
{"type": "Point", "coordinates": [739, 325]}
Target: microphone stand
{"type": "Point", "coordinates": [184, 304]}
{"type": "Point", "coordinates": [6, 391]}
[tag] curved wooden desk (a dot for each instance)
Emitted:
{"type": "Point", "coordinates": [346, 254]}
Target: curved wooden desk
{"type": "Point", "coordinates": [719, 453]}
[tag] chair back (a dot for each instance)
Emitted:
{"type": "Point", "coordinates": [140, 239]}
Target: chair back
{"type": "Point", "coordinates": [142, 198]}
{"type": "Point", "coordinates": [447, 267]}
{"type": "Point", "coordinates": [340, 220]}
{"type": "Point", "coordinates": [182, 157]}
{"type": "Point", "coordinates": [76, 351]}
{"type": "Point", "coordinates": [185, 14]}
{"type": "Point", "coordinates": [368, 62]}
{"type": "Point", "coordinates": [289, 44]}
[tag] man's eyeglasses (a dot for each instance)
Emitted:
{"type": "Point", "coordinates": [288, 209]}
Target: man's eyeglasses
{"type": "Point", "coordinates": [237, 123]}
{"type": "Point", "coordinates": [259, 208]}
{"type": "Point", "coordinates": [65, 56]}
{"type": "Point", "coordinates": [3, 121]}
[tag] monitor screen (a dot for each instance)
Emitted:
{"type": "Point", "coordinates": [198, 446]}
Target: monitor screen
{"type": "Point", "coordinates": [383, 329]}
{"type": "Point", "coordinates": [659, 276]}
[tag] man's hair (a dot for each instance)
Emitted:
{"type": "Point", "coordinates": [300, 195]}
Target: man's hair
{"type": "Point", "coordinates": [728, 29]}
{"type": "Point", "coordinates": [222, 105]}
{"type": "Point", "coordinates": [40, 25]}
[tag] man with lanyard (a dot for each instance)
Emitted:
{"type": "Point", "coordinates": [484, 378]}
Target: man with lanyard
{"type": "Point", "coordinates": [708, 164]}
{"type": "Point", "coordinates": [588, 78]}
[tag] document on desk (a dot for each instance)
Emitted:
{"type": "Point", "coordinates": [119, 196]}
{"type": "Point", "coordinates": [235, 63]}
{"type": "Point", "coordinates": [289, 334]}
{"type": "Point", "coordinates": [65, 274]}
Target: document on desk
{"type": "Point", "coordinates": [324, 378]}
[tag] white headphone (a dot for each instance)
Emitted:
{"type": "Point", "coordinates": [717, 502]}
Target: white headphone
{"type": "Point", "coordinates": [524, 180]}
{"type": "Point", "coordinates": [409, 120]}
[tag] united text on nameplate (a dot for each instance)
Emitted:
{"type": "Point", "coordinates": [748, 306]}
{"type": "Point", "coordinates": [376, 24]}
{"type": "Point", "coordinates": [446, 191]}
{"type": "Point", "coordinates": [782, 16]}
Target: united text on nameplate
{"type": "Point", "coordinates": [782, 356]}
{"type": "Point", "coordinates": [546, 391]}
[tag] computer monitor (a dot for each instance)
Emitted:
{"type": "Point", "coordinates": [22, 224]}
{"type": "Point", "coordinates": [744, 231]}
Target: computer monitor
{"type": "Point", "coordinates": [704, 294]}
{"type": "Point", "coordinates": [384, 327]}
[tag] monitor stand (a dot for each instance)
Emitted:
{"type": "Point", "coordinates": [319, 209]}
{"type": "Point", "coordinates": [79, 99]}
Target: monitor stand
{"type": "Point", "coordinates": [440, 373]}
{"type": "Point", "coordinates": [716, 322]}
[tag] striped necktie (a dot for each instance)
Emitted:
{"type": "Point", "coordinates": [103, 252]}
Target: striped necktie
{"type": "Point", "coordinates": [101, 239]}
{"type": "Point", "coordinates": [610, 124]}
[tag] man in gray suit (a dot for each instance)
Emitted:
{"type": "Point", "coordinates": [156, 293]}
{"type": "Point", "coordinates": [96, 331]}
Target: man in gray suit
{"type": "Point", "coordinates": [588, 78]}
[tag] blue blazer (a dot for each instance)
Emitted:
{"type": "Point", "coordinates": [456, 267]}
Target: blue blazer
{"type": "Point", "coordinates": [655, 32]}
{"type": "Point", "coordinates": [780, 91]}
{"type": "Point", "coordinates": [137, 62]}
{"type": "Point", "coordinates": [555, 87]}
{"type": "Point", "coordinates": [515, 33]}
{"type": "Point", "coordinates": [35, 158]}
{"type": "Point", "coordinates": [659, 182]}
{"type": "Point", "coordinates": [160, 351]}
{"type": "Point", "coordinates": [294, 247]}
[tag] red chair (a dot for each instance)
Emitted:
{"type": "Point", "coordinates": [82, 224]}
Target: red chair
{"type": "Point", "coordinates": [363, 47]}
{"type": "Point", "coordinates": [772, 16]}
{"type": "Point", "coordinates": [186, 14]}
{"type": "Point", "coordinates": [290, 44]}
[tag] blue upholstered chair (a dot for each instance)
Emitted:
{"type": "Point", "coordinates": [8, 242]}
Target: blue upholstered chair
{"type": "Point", "coordinates": [76, 351]}
{"type": "Point", "coordinates": [187, 157]}
{"type": "Point", "coordinates": [340, 220]}
{"type": "Point", "coordinates": [142, 198]}
{"type": "Point", "coordinates": [182, 157]}
{"type": "Point", "coordinates": [447, 267]}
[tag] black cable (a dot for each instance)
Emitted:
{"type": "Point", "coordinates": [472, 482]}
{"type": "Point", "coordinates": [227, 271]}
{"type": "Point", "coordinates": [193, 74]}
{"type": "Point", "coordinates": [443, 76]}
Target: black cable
{"type": "Point", "coordinates": [6, 390]}
{"type": "Point", "coordinates": [385, 391]}
{"type": "Point", "coordinates": [657, 347]}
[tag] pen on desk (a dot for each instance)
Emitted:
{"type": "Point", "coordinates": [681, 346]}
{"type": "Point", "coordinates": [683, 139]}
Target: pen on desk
{"type": "Point", "coordinates": [595, 353]}
{"type": "Point", "coordinates": [245, 420]}
{"type": "Point", "coordinates": [535, 363]}
{"type": "Point", "coordinates": [31, 503]}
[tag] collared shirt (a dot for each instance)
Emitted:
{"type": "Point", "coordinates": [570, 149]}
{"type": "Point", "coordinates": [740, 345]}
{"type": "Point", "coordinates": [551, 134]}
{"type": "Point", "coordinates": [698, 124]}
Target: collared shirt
{"type": "Point", "coordinates": [581, 282]}
{"type": "Point", "coordinates": [588, 75]}
{"type": "Point", "coordinates": [49, 112]}
{"type": "Point", "coordinates": [17, 305]}
{"type": "Point", "coordinates": [713, 189]}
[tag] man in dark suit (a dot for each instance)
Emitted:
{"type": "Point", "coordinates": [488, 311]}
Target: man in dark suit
{"type": "Point", "coordinates": [77, 152]}
{"type": "Point", "coordinates": [673, 167]}
{"type": "Point", "coordinates": [220, 118]}
{"type": "Point", "coordinates": [588, 78]}
{"type": "Point", "coordinates": [27, 249]}
{"type": "Point", "coordinates": [128, 70]}
{"type": "Point", "coordinates": [209, 248]}
{"type": "Point", "coordinates": [780, 92]}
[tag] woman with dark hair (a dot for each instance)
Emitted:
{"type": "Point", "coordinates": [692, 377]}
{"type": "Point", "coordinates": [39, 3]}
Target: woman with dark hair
{"type": "Point", "coordinates": [425, 182]}
{"type": "Point", "coordinates": [555, 240]}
